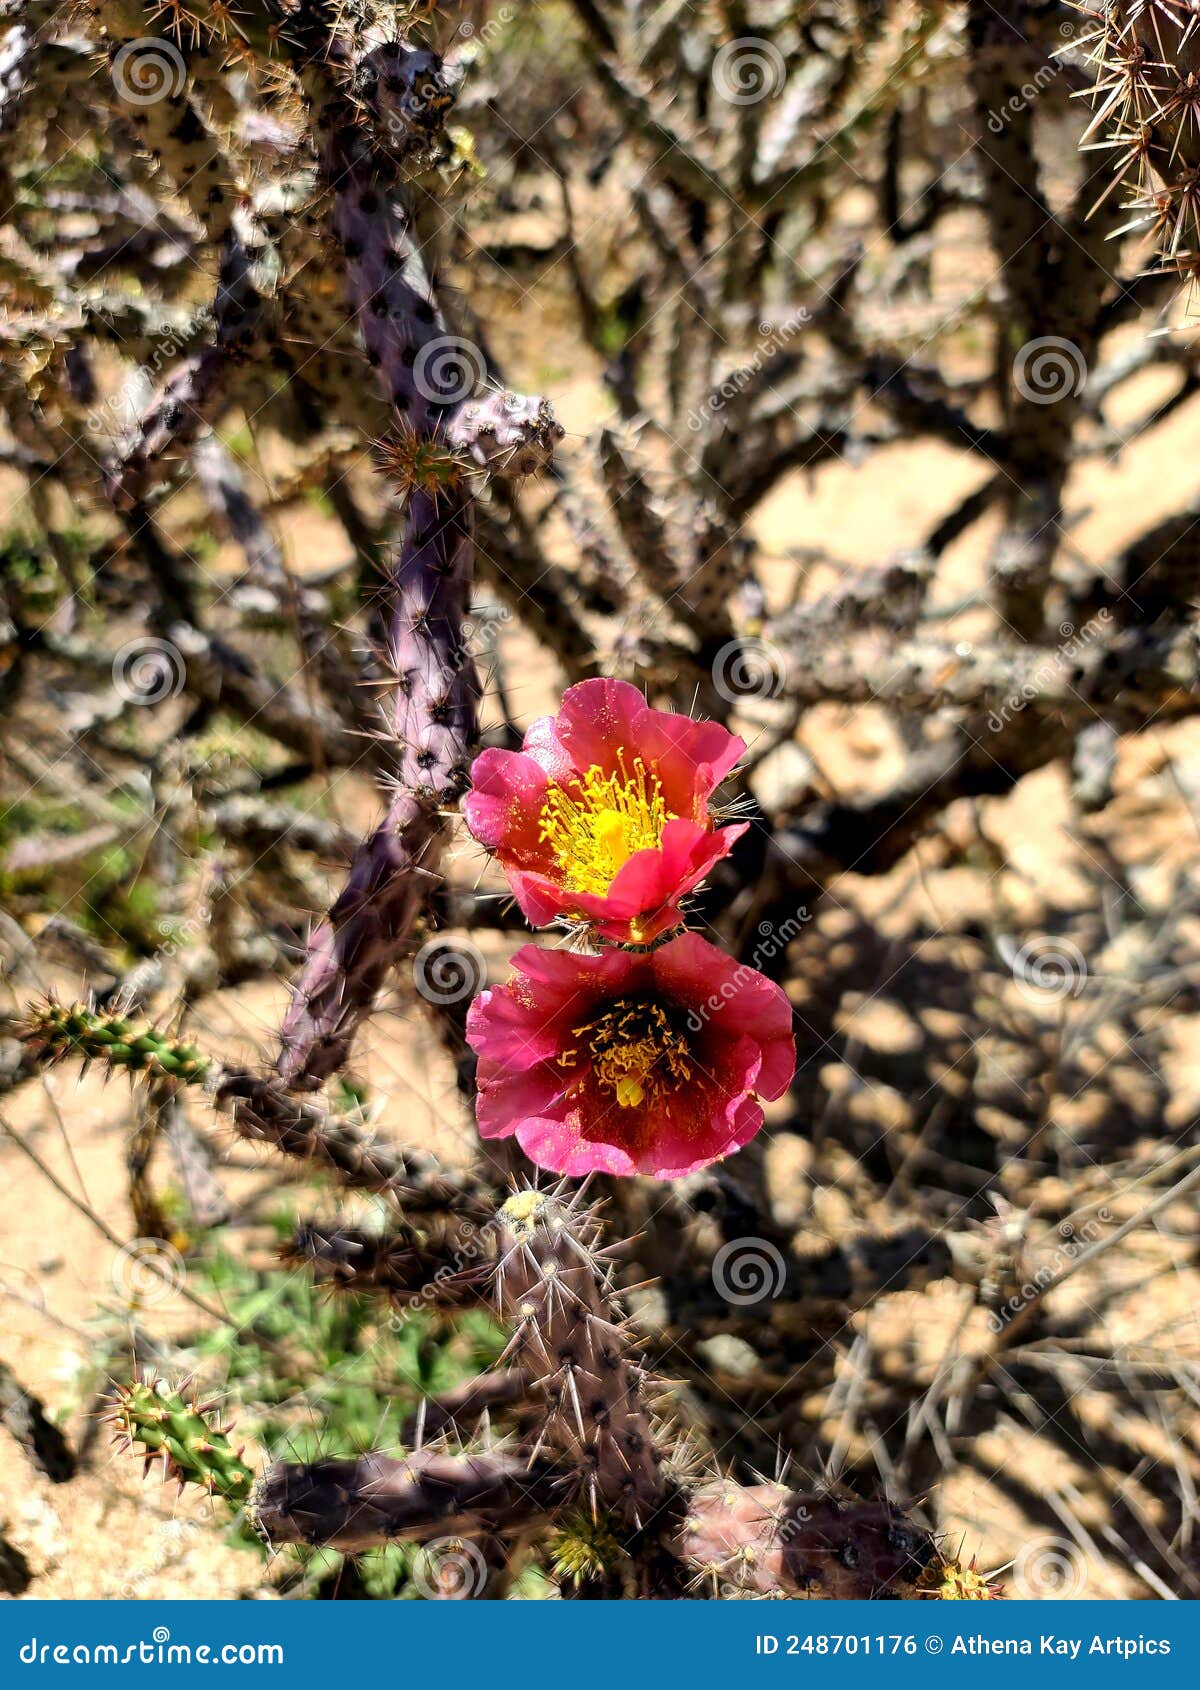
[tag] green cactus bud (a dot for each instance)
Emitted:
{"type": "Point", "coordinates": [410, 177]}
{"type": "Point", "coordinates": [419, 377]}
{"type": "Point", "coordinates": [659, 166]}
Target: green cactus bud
{"type": "Point", "coordinates": [187, 1439]}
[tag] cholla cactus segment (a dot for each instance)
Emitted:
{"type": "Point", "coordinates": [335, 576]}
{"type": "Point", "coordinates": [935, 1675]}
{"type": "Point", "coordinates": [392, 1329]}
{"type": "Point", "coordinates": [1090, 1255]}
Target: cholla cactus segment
{"type": "Point", "coordinates": [407, 94]}
{"type": "Point", "coordinates": [437, 688]}
{"type": "Point", "coordinates": [353, 949]}
{"type": "Point", "coordinates": [362, 1501]}
{"type": "Point", "coordinates": [430, 1269]}
{"type": "Point", "coordinates": [261, 1109]}
{"type": "Point", "coordinates": [1147, 95]}
{"type": "Point", "coordinates": [186, 1438]}
{"type": "Point", "coordinates": [56, 1031]}
{"type": "Point", "coordinates": [553, 1283]}
{"type": "Point", "coordinates": [196, 388]}
{"type": "Point", "coordinates": [765, 1540]}
{"type": "Point", "coordinates": [429, 378]}
{"type": "Point", "coordinates": [389, 293]}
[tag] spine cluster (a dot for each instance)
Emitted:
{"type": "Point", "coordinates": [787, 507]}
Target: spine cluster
{"type": "Point", "coordinates": [554, 1284]}
{"type": "Point", "coordinates": [1147, 98]}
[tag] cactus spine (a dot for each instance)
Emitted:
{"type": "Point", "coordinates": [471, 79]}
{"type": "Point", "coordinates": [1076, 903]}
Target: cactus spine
{"type": "Point", "coordinates": [1147, 94]}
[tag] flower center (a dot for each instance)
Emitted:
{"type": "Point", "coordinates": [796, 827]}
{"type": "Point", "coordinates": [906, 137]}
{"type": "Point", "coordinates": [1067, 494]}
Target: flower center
{"type": "Point", "coordinates": [636, 1052]}
{"type": "Point", "coordinates": [596, 826]}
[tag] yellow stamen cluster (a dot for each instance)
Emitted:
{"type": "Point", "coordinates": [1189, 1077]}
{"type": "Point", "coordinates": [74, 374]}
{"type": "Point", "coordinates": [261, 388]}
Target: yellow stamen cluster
{"type": "Point", "coordinates": [595, 827]}
{"type": "Point", "coordinates": [635, 1052]}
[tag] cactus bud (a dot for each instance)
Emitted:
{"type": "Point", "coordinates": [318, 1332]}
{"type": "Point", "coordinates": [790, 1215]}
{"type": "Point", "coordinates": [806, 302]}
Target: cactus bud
{"type": "Point", "coordinates": [767, 1541]}
{"type": "Point", "coordinates": [185, 1437]}
{"type": "Point", "coordinates": [583, 1549]}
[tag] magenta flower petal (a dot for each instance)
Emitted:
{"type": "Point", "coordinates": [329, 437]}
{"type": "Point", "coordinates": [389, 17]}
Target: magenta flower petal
{"type": "Point", "coordinates": [597, 719]}
{"type": "Point", "coordinates": [502, 808]}
{"type": "Point", "coordinates": [558, 1146]}
{"type": "Point", "coordinates": [736, 999]}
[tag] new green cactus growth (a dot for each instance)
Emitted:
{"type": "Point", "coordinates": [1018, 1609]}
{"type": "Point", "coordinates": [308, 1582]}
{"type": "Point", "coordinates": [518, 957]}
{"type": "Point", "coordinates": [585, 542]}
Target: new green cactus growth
{"type": "Point", "coordinates": [583, 1549]}
{"type": "Point", "coordinates": [186, 1438]}
{"type": "Point", "coordinates": [57, 1031]}
{"type": "Point", "coordinates": [947, 1580]}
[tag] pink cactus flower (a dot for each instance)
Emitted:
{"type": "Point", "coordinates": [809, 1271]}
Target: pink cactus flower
{"type": "Point", "coordinates": [632, 1062]}
{"type": "Point", "coordinates": [603, 817]}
